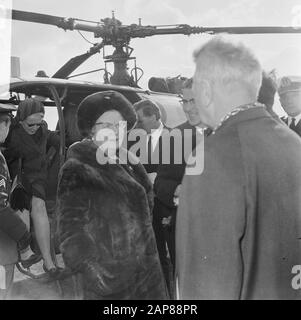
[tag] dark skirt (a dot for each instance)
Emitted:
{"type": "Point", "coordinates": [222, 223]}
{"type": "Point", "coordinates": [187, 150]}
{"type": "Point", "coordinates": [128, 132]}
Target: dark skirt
{"type": "Point", "coordinates": [36, 187]}
{"type": "Point", "coordinates": [38, 191]}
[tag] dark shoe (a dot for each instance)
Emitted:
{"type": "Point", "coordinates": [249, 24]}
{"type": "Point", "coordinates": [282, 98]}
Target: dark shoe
{"type": "Point", "coordinates": [33, 259]}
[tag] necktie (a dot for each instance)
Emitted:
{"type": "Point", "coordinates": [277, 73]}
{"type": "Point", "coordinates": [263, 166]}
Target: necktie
{"type": "Point", "coordinates": [149, 148]}
{"type": "Point", "coordinates": [293, 124]}
{"type": "Point", "coordinates": [207, 132]}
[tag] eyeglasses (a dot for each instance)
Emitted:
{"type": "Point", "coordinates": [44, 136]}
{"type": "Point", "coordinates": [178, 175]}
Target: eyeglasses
{"type": "Point", "coordinates": [107, 125]}
{"type": "Point", "coordinates": [185, 101]}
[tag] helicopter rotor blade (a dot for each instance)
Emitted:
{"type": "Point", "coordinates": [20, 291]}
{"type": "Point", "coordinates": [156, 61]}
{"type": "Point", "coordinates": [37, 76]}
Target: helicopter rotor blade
{"type": "Point", "coordinates": [39, 18]}
{"type": "Point", "coordinates": [71, 65]}
{"type": "Point", "coordinates": [139, 31]}
{"type": "Point", "coordinates": [114, 33]}
{"type": "Point", "coordinates": [146, 31]}
{"type": "Point", "coordinates": [75, 62]}
{"type": "Point", "coordinates": [253, 30]}
{"type": "Point", "coordinates": [61, 22]}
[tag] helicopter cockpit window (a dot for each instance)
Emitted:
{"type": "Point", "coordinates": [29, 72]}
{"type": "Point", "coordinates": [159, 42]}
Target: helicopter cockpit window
{"type": "Point", "coordinates": [51, 117]}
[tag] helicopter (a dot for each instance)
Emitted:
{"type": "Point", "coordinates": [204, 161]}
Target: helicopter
{"type": "Point", "coordinates": [64, 93]}
{"type": "Point", "coordinates": [113, 33]}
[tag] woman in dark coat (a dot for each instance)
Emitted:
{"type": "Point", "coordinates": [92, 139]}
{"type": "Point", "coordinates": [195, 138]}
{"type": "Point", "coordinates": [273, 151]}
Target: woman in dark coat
{"type": "Point", "coordinates": [28, 141]}
{"type": "Point", "coordinates": [104, 209]}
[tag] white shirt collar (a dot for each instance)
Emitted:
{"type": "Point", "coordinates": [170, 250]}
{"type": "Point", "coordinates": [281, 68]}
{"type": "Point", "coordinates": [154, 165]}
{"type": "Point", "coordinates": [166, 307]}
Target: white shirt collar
{"type": "Point", "coordinates": [297, 119]}
{"type": "Point", "coordinates": [156, 135]}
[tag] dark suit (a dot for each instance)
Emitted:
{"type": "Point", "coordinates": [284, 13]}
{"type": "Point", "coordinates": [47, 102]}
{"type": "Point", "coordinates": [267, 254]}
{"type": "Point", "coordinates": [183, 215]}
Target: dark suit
{"type": "Point", "coordinates": [169, 176]}
{"type": "Point", "coordinates": [164, 235]}
{"type": "Point", "coordinates": [296, 129]}
{"type": "Point", "coordinates": [152, 166]}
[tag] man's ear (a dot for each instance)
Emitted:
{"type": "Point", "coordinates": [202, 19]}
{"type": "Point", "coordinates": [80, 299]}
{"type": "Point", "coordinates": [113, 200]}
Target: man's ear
{"type": "Point", "coordinates": [206, 92]}
{"type": "Point", "coordinates": [93, 130]}
{"type": "Point", "coordinates": [8, 124]}
{"type": "Point", "coordinates": [153, 118]}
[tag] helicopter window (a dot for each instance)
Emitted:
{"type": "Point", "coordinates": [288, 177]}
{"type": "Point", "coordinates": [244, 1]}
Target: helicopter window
{"type": "Point", "coordinates": [51, 117]}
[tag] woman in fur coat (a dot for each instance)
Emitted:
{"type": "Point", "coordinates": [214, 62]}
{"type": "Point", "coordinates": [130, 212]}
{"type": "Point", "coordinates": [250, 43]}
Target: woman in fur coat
{"type": "Point", "coordinates": [104, 208]}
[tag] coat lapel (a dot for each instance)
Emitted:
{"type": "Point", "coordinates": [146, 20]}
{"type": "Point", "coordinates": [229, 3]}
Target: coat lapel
{"type": "Point", "coordinates": [285, 120]}
{"type": "Point", "coordinates": [27, 140]}
{"type": "Point", "coordinates": [298, 128]}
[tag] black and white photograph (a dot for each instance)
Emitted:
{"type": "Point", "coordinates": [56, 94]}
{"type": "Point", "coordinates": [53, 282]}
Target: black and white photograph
{"type": "Point", "coordinates": [150, 150]}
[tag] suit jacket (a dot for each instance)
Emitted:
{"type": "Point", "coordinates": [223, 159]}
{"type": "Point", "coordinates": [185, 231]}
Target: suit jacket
{"type": "Point", "coordinates": [152, 166]}
{"type": "Point", "coordinates": [169, 176]}
{"type": "Point", "coordinates": [298, 127]}
{"type": "Point", "coordinates": [239, 222]}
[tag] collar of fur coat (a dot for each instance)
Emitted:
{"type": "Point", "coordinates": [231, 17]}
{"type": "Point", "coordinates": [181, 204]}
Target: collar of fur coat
{"type": "Point", "coordinates": [84, 154]}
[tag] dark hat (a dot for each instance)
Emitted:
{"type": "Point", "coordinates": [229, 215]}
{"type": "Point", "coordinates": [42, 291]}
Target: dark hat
{"type": "Point", "coordinates": [28, 107]}
{"type": "Point", "coordinates": [289, 84]}
{"type": "Point", "coordinates": [7, 108]}
{"type": "Point", "coordinates": [94, 105]}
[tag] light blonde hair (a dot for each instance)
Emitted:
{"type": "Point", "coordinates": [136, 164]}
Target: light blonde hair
{"type": "Point", "coordinates": [228, 62]}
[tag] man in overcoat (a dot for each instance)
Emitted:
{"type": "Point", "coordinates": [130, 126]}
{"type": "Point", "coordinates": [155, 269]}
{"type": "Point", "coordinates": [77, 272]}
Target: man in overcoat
{"type": "Point", "coordinates": [238, 233]}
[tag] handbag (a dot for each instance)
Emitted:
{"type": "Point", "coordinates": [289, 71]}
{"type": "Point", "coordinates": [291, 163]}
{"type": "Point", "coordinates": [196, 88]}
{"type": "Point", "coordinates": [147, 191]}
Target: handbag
{"type": "Point", "coordinates": [19, 197]}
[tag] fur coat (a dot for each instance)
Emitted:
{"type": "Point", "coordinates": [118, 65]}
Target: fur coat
{"type": "Point", "coordinates": [105, 227]}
